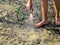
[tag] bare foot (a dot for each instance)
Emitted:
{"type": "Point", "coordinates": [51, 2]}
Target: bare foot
{"type": "Point", "coordinates": [41, 24]}
{"type": "Point", "coordinates": [29, 6]}
{"type": "Point", "coordinates": [58, 22]}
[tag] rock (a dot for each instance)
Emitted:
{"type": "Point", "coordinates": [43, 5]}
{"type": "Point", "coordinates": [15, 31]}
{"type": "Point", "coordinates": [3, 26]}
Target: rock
{"type": "Point", "coordinates": [0, 28]}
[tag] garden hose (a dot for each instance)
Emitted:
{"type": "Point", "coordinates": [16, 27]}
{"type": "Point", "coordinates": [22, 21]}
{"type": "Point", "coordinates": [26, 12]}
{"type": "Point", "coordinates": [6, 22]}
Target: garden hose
{"type": "Point", "coordinates": [20, 13]}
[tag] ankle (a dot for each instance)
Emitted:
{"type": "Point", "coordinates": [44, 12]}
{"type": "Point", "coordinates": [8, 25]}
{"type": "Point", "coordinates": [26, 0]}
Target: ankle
{"type": "Point", "coordinates": [44, 20]}
{"type": "Point", "coordinates": [56, 19]}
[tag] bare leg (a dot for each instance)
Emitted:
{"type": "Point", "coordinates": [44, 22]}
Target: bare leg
{"type": "Point", "coordinates": [29, 4]}
{"type": "Point", "coordinates": [44, 13]}
{"type": "Point", "coordinates": [56, 6]}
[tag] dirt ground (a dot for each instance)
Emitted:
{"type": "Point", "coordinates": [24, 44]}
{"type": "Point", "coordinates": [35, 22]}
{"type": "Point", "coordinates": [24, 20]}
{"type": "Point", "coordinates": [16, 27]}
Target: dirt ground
{"type": "Point", "coordinates": [13, 32]}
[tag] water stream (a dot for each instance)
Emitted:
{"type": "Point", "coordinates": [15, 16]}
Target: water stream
{"type": "Point", "coordinates": [30, 22]}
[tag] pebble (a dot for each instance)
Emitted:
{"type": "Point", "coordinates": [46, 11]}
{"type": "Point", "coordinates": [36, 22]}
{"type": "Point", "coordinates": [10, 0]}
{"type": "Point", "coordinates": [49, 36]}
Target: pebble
{"type": "Point", "coordinates": [0, 28]}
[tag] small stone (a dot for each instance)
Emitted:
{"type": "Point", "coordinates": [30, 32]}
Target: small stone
{"type": "Point", "coordinates": [1, 23]}
{"type": "Point", "coordinates": [11, 20]}
{"type": "Point", "coordinates": [8, 28]}
{"type": "Point", "coordinates": [6, 18]}
{"type": "Point", "coordinates": [0, 28]}
{"type": "Point", "coordinates": [4, 13]}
